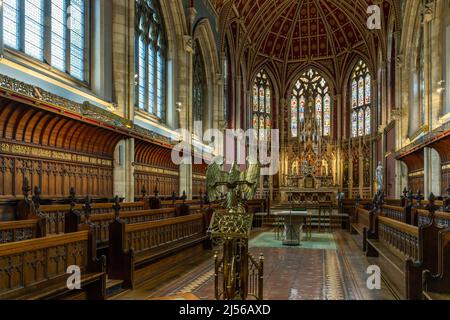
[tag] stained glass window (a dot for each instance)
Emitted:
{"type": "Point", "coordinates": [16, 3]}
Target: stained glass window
{"type": "Point", "coordinates": [262, 100]}
{"type": "Point", "coordinates": [361, 100]}
{"type": "Point", "coordinates": [262, 104]}
{"type": "Point", "coordinates": [368, 90]}
{"type": "Point", "coordinates": [199, 85]}
{"type": "Point", "coordinates": [319, 110]}
{"type": "Point", "coordinates": [354, 94]}
{"type": "Point", "coordinates": [302, 109]}
{"type": "Point", "coordinates": [368, 121]}
{"type": "Point", "coordinates": [150, 59]}
{"type": "Point", "coordinates": [255, 123]}
{"type": "Point", "coordinates": [355, 124]}
{"type": "Point", "coordinates": [361, 120]}
{"type": "Point", "coordinates": [268, 100]}
{"type": "Point", "coordinates": [255, 98]}
{"type": "Point", "coordinates": [327, 115]}
{"type": "Point", "coordinates": [61, 42]}
{"type": "Point", "coordinates": [311, 85]}
{"type": "Point", "coordinates": [294, 112]}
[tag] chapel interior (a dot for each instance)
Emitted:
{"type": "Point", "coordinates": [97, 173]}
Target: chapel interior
{"type": "Point", "coordinates": [352, 98]}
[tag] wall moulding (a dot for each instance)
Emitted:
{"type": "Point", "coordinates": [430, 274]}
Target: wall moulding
{"type": "Point", "coordinates": [34, 96]}
{"type": "Point", "coordinates": [40, 152]}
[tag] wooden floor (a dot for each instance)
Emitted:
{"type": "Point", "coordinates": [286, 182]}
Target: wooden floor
{"type": "Point", "coordinates": [290, 274]}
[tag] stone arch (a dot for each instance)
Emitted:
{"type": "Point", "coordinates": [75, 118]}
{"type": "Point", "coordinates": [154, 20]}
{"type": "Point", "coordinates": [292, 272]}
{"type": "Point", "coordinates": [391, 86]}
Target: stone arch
{"type": "Point", "coordinates": [176, 27]}
{"type": "Point", "coordinates": [204, 36]}
{"type": "Point", "coordinates": [407, 54]}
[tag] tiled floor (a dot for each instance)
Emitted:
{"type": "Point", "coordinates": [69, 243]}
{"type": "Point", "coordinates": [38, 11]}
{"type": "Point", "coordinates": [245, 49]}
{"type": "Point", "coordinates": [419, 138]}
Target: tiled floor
{"type": "Point", "coordinates": [332, 267]}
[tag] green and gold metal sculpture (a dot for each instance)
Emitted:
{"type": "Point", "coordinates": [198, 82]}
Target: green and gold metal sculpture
{"type": "Point", "coordinates": [231, 229]}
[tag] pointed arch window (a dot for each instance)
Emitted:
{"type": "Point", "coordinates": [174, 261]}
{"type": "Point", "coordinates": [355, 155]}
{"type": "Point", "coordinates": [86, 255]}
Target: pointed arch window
{"type": "Point", "coordinates": [199, 84]}
{"type": "Point", "coordinates": [51, 31]}
{"type": "Point", "coordinates": [311, 86]}
{"type": "Point", "coordinates": [361, 101]}
{"type": "Point", "coordinates": [262, 105]}
{"type": "Point", "coordinates": [150, 59]}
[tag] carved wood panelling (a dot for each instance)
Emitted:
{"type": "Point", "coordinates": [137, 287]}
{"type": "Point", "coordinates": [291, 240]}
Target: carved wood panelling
{"type": "Point", "coordinates": [154, 169]}
{"type": "Point", "coordinates": [54, 153]}
{"type": "Point", "coordinates": [165, 183]}
{"type": "Point", "coordinates": [55, 178]}
{"type": "Point", "coordinates": [445, 180]}
{"type": "Point", "coordinates": [416, 182]}
{"type": "Point", "coordinates": [40, 261]}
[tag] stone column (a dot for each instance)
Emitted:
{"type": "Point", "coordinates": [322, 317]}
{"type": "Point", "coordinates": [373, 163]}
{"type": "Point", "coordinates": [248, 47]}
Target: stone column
{"type": "Point", "coordinates": [238, 102]}
{"type": "Point", "coordinates": [185, 93]}
{"type": "Point", "coordinates": [124, 170]}
{"type": "Point", "coordinates": [123, 56]}
{"type": "Point", "coordinates": [432, 172]}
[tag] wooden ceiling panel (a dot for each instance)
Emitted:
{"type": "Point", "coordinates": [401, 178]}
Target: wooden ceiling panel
{"type": "Point", "coordinates": [30, 125]}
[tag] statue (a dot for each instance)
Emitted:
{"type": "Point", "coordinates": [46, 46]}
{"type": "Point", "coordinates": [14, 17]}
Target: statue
{"type": "Point", "coordinates": [379, 173]}
{"type": "Point", "coordinates": [325, 171]}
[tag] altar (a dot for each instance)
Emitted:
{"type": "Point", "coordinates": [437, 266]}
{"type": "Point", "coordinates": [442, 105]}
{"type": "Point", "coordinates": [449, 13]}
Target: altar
{"type": "Point", "coordinates": [303, 196]}
{"type": "Point", "coordinates": [294, 221]}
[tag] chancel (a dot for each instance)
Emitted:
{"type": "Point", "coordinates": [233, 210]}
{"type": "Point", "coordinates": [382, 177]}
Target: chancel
{"type": "Point", "coordinates": [117, 173]}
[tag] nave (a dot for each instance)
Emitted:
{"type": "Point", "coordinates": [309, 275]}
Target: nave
{"type": "Point", "coordinates": [290, 274]}
{"type": "Point", "coordinates": [307, 142]}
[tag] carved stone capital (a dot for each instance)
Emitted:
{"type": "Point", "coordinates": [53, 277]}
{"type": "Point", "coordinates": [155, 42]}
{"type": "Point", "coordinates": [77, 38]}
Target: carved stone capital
{"type": "Point", "coordinates": [188, 44]}
{"type": "Point", "coordinates": [399, 60]}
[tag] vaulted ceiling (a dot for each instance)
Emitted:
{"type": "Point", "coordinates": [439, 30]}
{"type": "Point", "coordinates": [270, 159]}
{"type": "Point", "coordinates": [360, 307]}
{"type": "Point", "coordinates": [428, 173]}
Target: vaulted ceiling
{"type": "Point", "coordinates": [292, 30]}
{"type": "Point", "coordinates": [295, 32]}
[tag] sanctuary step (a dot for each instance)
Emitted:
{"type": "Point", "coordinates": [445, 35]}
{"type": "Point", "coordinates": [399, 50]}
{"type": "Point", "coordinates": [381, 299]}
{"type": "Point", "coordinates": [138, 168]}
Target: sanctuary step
{"type": "Point", "coordinates": [114, 288]}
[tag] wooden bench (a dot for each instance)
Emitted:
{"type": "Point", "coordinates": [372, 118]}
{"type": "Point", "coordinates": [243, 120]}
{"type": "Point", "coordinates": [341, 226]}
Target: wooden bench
{"type": "Point", "coordinates": [404, 252]}
{"type": "Point", "coordinates": [36, 269]}
{"type": "Point", "coordinates": [436, 285]}
{"type": "Point", "coordinates": [422, 217]}
{"type": "Point", "coordinates": [396, 202]}
{"type": "Point", "coordinates": [402, 214]}
{"type": "Point", "coordinates": [349, 205]}
{"type": "Point", "coordinates": [54, 216]}
{"type": "Point", "coordinates": [13, 231]}
{"type": "Point", "coordinates": [137, 252]}
{"type": "Point", "coordinates": [102, 221]}
{"type": "Point", "coordinates": [174, 203]}
{"type": "Point", "coordinates": [360, 224]}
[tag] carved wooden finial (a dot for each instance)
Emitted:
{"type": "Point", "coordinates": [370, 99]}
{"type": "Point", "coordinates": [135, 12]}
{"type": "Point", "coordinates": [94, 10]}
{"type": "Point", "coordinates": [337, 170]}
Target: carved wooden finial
{"type": "Point", "coordinates": [405, 193]}
{"type": "Point", "coordinates": [174, 196]}
{"type": "Point", "coordinates": [358, 200]}
{"type": "Point", "coordinates": [72, 197]}
{"type": "Point", "coordinates": [116, 207]}
{"type": "Point", "coordinates": [432, 207]}
{"type": "Point", "coordinates": [410, 197]}
{"type": "Point", "coordinates": [37, 197]}
{"type": "Point", "coordinates": [87, 208]}
{"type": "Point", "coordinates": [156, 192]}
{"type": "Point", "coordinates": [26, 187]}
{"type": "Point", "coordinates": [419, 198]}
{"type": "Point", "coordinates": [184, 197]}
{"type": "Point", "coordinates": [143, 192]}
